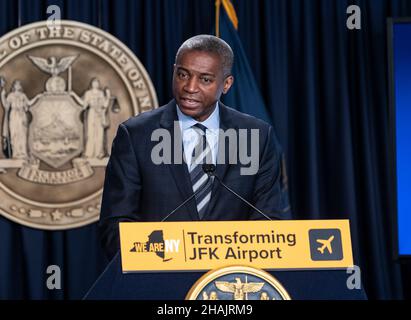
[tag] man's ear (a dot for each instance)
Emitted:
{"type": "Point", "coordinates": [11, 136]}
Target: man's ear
{"type": "Point", "coordinates": [228, 82]}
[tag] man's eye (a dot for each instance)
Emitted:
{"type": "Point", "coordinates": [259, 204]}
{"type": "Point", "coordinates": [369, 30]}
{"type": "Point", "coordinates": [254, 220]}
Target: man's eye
{"type": "Point", "coordinates": [206, 80]}
{"type": "Point", "coordinates": [182, 75]}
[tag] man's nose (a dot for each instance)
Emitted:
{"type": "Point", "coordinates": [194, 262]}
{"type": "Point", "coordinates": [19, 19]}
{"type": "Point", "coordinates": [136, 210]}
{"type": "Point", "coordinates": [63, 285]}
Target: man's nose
{"type": "Point", "coordinates": [191, 85]}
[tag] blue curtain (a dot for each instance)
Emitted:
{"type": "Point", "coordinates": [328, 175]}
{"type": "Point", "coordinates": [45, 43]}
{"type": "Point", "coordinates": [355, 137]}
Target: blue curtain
{"type": "Point", "coordinates": [326, 92]}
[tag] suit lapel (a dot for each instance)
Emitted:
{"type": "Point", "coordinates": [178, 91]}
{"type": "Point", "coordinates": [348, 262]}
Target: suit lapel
{"type": "Point", "coordinates": [179, 171]}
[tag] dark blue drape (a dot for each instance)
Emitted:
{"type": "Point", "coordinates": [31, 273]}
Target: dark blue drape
{"type": "Point", "coordinates": [326, 91]}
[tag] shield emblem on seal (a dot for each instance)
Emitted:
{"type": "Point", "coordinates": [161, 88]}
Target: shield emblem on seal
{"type": "Point", "coordinates": [56, 132]}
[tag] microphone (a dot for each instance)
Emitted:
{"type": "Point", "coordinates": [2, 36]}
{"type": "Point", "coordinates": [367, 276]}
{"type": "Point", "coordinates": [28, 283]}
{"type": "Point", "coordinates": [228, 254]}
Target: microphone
{"type": "Point", "coordinates": [188, 199]}
{"type": "Point", "coordinates": [210, 170]}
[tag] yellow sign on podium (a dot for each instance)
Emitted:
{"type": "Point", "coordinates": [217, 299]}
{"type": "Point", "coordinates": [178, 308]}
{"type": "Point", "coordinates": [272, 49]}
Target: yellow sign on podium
{"type": "Point", "coordinates": [272, 245]}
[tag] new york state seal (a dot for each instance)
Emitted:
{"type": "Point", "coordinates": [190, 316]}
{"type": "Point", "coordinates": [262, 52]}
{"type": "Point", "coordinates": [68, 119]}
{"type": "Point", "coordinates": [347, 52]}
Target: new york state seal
{"type": "Point", "coordinates": [64, 89]}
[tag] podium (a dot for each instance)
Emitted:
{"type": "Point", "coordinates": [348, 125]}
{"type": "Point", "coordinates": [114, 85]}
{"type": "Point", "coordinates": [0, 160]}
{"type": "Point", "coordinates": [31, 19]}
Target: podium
{"type": "Point", "coordinates": [301, 285]}
{"type": "Point", "coordinates": [308, 284]}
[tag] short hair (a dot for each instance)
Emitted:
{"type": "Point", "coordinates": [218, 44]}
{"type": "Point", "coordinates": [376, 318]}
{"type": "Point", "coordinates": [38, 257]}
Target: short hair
{"type": "Point", "coordinates": [212, 44]}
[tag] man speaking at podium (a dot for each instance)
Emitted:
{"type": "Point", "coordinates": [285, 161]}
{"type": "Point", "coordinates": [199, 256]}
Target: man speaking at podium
{"type": "Point", "coordinates": [156, 169]}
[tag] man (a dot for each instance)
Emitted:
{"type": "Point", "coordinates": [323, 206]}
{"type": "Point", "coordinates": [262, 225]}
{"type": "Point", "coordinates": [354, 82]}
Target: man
{"type": "Point", "coordinates": [138, 189]}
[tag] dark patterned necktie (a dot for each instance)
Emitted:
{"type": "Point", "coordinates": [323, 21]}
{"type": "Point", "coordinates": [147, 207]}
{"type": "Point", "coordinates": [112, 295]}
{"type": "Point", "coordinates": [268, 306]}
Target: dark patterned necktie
{"type": "Point", "coordinates": [201, 154]}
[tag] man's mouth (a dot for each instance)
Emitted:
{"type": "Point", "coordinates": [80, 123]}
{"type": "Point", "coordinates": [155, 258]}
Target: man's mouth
{"type": "Point", "coordinates": [189, 102]}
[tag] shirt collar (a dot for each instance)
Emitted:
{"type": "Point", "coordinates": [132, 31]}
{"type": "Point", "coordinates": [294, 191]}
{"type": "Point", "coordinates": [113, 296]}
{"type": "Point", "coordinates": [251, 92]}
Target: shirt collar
{"type": "Point", "coordinates": [212, 122]}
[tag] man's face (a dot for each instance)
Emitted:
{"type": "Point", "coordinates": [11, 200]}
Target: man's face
{"type": "Point", "coordinates": [198, 82]}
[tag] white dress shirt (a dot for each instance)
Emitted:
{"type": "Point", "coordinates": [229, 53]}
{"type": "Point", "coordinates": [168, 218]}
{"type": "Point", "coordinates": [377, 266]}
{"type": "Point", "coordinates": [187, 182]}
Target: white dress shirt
{"type": "Point", "coordinates": [190, 136]}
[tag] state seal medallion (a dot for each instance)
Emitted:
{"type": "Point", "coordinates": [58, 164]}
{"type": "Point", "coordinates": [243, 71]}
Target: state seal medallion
{"type": "Point", "coordinates": [237, 283]}
{"type": "Point", "coordinates": [63, 92]}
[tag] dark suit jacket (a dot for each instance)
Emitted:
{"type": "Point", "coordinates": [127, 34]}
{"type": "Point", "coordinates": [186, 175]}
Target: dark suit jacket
{"type": "Point", "coordinates": [136, 189]}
